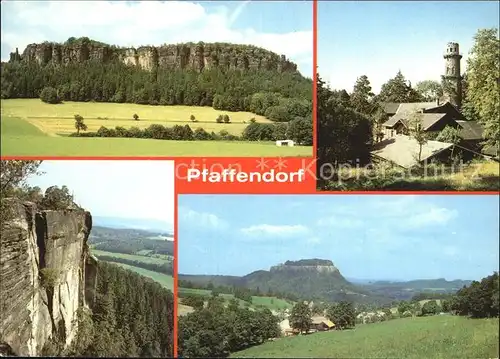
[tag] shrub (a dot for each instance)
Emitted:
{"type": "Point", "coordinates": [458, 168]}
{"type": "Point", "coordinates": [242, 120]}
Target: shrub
{"type": "Point", "coordinates": [49, 277]}
{"type": "Point", "coordinates": [136, 117]}
{"type": "Point", "coordinates": [103, 132]}
{"type": "Point", "coordinates": [220, 119]}
{"type": "Point", "coordinates": [201, 135]}
{"type": "Point", "coordinates": [121, 131]}
{"type": "Point", "coordinates": [134, 132]}
{"type": "Point", "coordinates": [192, 118]}
{"type": "Point", "coordinates": [156, 131]}
{"type": "Point", "coordinates": [226, 118]}
{"type": "Point", "coordinates": [49, 95]}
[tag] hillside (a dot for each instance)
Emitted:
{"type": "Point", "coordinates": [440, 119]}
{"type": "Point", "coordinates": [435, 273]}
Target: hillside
{"type": "Point", "coordinates": [406, 290]}
{"type": "Point", "coordinates": [224, 76]}
{"type": "Point", "coordinates": [427, 337]}
{"type": "Point", "coordinates": [306, 279]}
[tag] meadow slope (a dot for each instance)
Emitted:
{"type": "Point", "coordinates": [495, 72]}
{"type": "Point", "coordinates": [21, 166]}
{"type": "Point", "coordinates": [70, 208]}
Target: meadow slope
{"type": "Point", "coordinates": [439, 337]}
{"type": "Point", "coordinates": [46, 128]}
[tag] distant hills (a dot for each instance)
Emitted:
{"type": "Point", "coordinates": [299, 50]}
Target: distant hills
{"type": "Point", "coordinates": [319, 279]}
{"type": "Point", "coordinates": [151, 225]}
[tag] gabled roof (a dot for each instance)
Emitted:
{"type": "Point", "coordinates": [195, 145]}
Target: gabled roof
{"type": "Point", "coordinates": [390, 107]}
{"type": "Point", "coordinates": [403, 150]}
{"type": "Point", "coordinates": [409, 107]}
{"type": "Point", "coordinates": [322, 320]}
{"type": "Point", "coordinates": [471, 130]}
{"type": "Point", "coordinates": [428, 119]}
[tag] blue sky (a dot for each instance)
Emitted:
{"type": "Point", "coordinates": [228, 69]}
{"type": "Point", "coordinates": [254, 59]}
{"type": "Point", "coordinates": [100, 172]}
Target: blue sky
{"type": "Point", "coordinates": [397, 237]}
{"type": "Point", "coordinates": [140, 190]}
{"type": "Point", "coordinates": [261, 23]}
{"type": "Point", "coordinates": [379, 38]}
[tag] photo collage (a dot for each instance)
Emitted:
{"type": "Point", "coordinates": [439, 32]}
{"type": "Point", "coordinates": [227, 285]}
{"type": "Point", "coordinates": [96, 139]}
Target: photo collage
{"type": "Point", "coordinates": [250, 179]}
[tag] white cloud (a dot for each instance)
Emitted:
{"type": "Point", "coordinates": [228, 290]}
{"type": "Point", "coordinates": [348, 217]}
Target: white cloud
{"type": "Point", "coordinates": [142, 23]}
{"type": "Point", "coordinates": [313, 240]}
{"type": "Point", "coordinates": [275, 230]}
{"type": "Point", "coordinates": [202, 219]}
{"type": "Point", "coordinates": [430, 217]}
{"type": "Point", "coordinates": [340, 222]}
{"type": "Point", "coordinates": [104, 187]}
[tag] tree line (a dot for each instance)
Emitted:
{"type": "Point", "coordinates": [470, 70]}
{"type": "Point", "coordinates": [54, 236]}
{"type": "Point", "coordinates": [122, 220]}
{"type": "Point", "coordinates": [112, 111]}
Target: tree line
{"type": "Point", "coordinates": [279, 96]}
{"type": "Point", "coordinates": [218, 330]}
{"type": "Point", "coordinates": [132, 316]}
{"type": "Point", "coordinates": [242, 291]}
{"type": "Point", "coordinates": [298, 130]}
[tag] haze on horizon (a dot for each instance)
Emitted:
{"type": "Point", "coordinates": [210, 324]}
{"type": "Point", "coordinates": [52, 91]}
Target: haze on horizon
{"type": "Point", "coordinates": [378, 38]}
{"type": "Point", "coordinates": [378, 237]}
{"type": "Point", "coordinates": [140, 193]}
{"type": "Point", "coordinates": [140, 23]}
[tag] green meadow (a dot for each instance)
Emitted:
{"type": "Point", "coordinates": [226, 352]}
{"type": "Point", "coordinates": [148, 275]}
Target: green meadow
{"type": "Point", "coordinates": [436, 337]}
{"type": "Point", "coordinates": [165, 280]}
{"type": "Point", "coordinates": [33, 128]}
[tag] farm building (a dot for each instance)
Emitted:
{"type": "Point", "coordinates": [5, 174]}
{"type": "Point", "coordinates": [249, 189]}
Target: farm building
{"type": "Point", "coordinates": [285, 143]}
{"type": "Point", "coordinates": [322, 324]}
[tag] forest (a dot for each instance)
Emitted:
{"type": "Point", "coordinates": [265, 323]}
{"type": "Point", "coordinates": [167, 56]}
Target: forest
{"type": "Point", "coordinates": [280, 96]}
{"type": "Point", "coordinates": [132, 317]}
{"type": "Point", "coordinates": [216, 331]}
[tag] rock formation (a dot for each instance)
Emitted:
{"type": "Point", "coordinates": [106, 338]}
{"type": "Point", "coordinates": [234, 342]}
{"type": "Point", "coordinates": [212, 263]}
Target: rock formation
{"type": "Point", "coordinates": [46, 275]}
{"type": "Point", "coordinates": [315, 265]}
{"type": "Point", "coordinates": [191, 56]}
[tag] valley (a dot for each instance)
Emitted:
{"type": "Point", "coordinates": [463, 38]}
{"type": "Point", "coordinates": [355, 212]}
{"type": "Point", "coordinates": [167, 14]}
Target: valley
{"type": "Point", "coordinates": [310, 253]}
{"type": "Point", "coordinates": [74, 288]}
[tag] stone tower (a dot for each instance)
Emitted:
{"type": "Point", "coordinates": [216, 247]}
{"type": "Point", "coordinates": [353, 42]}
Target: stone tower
{"type": "Point", "coordinates": [452, 80]}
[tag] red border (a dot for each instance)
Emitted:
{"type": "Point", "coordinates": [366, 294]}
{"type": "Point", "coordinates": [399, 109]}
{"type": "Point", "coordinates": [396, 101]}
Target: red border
{"type": "Point", "coordinates": [176, 268]}
{"type": "Point", "coordinates": [315, 70]}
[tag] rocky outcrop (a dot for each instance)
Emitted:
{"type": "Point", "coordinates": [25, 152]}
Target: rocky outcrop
{"type": "Point", "coordinates": [304, 265]}
{"type": "Point", "coordinates": [191, 56]}
{"type": "Point", "coordinates": [46, 275]}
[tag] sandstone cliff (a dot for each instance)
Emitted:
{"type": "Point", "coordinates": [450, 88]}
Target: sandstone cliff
{"type": "Point", "coordinates": [47, 274]}
{"type": "Point", "coordinates": [193, 56]}
{"type": "Point", "coordinates": [305, 265]}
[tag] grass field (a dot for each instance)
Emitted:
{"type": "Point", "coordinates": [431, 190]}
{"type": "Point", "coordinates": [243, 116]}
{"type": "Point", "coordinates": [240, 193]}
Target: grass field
{"type": "Point", "coordinates": [58, 119]}
{"type": "Point", "coordinates": [272, 303]}
{"type": "Point", "coordinates": [31, 127]}
{"type": "Point", "coordinates": [133, 257]}
{"type": "Point", "coordinates": [165, 280]}
{"type": "Point", "coordinates": [439, 337]}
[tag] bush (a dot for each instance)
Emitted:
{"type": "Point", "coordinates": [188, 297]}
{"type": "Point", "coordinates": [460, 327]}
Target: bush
{"type": "Point", "coordinates": [201, 135]}
{"type": "Point", "coordinates": [192, 118]}
{"type": "Point", "coordinates": [136, 117]}
{"type": "Point", "coordinates": [121, 131]}
{"type": "Point", "coordinates": [134, 132]}
{"type": "Point", "coordinates": [49, 95]}
{"type": "Point", "coordinates": [49, 277]}
{"type": "Point", "coordinates": [219, 119]}
{"type": "Point", "coordinates": [226, 118]}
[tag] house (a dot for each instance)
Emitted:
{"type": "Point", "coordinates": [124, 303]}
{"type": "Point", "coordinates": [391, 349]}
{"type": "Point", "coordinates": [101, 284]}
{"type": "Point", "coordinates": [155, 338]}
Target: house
{"type": "Point", "coordinates": [403, 151]}
{"type": "Point", "coordinates": [434, 116]}
{"type": "Point", "coordinates": [322, 324]}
